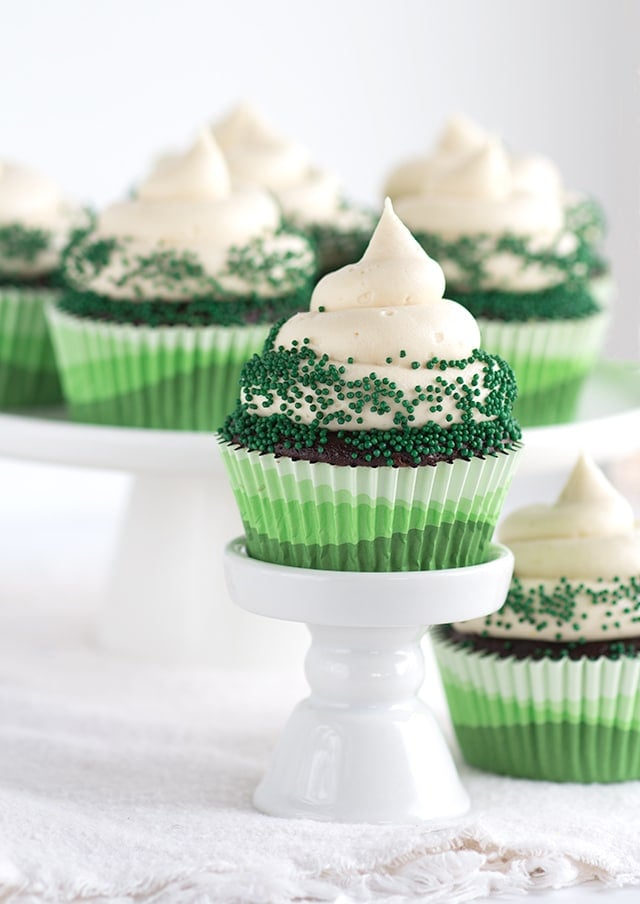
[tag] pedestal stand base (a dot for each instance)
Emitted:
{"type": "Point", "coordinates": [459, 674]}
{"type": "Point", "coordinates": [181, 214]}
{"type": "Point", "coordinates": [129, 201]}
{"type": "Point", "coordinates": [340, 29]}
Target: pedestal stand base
{"type": "Point", "coordinates": [362, 747]}
{"type": "Point", "coordinates": [167, 600]}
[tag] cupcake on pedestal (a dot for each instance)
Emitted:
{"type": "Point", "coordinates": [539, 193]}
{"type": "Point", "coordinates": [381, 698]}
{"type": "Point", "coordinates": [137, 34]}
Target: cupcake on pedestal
{"type": "Point", "coordinates": [549, 686]}
{"type": "Point", "coordinates": [172, 292]}
{"type": "Point", "coordinates": [498, 226]}
{"type": "Point", "coordinates": [372, 433]}
{"type": "Point", "coordinates": [311, 198]}
{"type": "Point", "coordinates": [35, 224]}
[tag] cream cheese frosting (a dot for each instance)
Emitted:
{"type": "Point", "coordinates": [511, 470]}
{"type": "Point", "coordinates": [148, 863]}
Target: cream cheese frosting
{"type": "Point", "coordinates": [577, 566]}
{"type": "Point", "coordinates": [386, 313]}
{"type": "Point", "coordinates": [257, 154]}
{"type": "Point", "coordinates": [471, 186]}
{"type": "Point", "coordinates": [31, 200]}
{"type": "Point", "coordinates": [188, 206]}
{"type": "Point", "coordinates": [460, 137]}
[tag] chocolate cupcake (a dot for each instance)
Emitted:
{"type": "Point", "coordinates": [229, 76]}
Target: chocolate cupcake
{"type": "Point", "coordinates": [311, 198]}
{"type": "Point", "coordinates": [172, 292]}
{"type": "Point", "coordinates": [549, 686]}
{"type": "Point", "coordinates": [373, 434]}
{"type": "Point", "coordinates": [35, 224]}
{"type": "Point", "coordinates": [517, 255]}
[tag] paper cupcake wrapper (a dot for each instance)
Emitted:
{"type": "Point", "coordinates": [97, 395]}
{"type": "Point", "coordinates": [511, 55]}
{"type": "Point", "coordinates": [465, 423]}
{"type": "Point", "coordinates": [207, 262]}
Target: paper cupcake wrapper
{"type": "Point", "coordinates": [603, 290]}
{"type": "Point", "coordinates": [316, 515]}
{"type": "Point", "coordinates": [174, 378]}
{"type": "Point", "coordinates": [28, 371]}
{"type": "Point", "coordinates": [550, 360]}
{"type": "Point", "coordinates": [555, 720]}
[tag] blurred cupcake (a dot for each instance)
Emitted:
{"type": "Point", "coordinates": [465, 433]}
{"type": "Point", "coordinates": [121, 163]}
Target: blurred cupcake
{"type": "Point", "coordinates": [583, 217]}
{"type": "Point", "coordinates": [372, 434]}
{"type": "Point", "coordinates": [311, 199]}
{"type": "Point", "coordinates": [549, 686]}
{"type": "Point", "coordinates": [35, 223]}
{"type": "Point", "coordinates": [172, 292]}
{"type": "Point", "coordinates": [497, 224]}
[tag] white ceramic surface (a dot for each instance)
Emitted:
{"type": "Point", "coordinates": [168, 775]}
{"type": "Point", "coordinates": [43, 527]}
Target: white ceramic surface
{"type": "Point", "coordinates": [362, 747]}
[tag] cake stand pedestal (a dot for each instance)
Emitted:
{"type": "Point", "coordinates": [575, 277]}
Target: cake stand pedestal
{"type": "Point", "coordinates": [362, 747]}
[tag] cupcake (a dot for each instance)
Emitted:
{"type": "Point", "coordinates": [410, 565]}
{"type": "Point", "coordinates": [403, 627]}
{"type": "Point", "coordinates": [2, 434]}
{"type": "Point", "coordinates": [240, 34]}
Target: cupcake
{"type": "Point", "coordinates": [373, 434]}
{"type": "Point", "coordinates": [35, 223]}
{"type": "Point", "coordinates": [549, 686]}
{"type": "Point", "coordinates": [172, 292]}
{"type": "Point", "coordinates": [311, 199]}
{"type": "Point", "coordinates": [582, 215]}
{"type": "Point", "coordinates": [499, 225]}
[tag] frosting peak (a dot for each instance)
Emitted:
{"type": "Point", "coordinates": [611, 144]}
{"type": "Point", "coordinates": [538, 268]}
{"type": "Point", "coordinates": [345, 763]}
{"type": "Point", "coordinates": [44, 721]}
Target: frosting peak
{"type": "Point", "coordinates": [394, 271]}
{"type": "Point", "coordinates": [244, 124]}
{"type": "Point", "coordinates": [256, 153]}
{"type": "Point", "coordinates": [577, 566]}
{"type": "Point", "coordinates": [588, 506]}
{"type": "Point", "coordinates": [386, 310]}
{"type": "Point", "coordinates": [484, 173]}
{"type": "Point", "coordinates": [460, 135]}
{"type": "Point", "coordinates": [200, 174]}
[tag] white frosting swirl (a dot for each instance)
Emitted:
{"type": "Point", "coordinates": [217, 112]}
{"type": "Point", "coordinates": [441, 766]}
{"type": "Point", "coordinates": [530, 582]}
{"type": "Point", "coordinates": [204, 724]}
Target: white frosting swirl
{"type": "Point", "coordinates": [188, 205]}
{"type": "Point", "coordinates": [589, 538]}
{"type": "Point", "coordinates": [384, 312]}
{"type": "Point", "coordinates": [32, 200]}
{"type": "Point", "coordinates": [256, 153]}
{"type": "Point", "coordinates": [472, 186]}
{"type": "Point", "coordinates": [460, 137]}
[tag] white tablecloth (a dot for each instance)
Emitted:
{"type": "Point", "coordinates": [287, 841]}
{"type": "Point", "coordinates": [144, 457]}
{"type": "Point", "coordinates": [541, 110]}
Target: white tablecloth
{"type": "Point", "coordinates": [133, 783]}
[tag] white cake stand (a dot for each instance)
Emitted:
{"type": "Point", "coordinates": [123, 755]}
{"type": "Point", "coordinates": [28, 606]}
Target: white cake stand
{"type": "Point", "coordinates": [166, 600]}
{"type": "Point", "coordinates": [362, 747]}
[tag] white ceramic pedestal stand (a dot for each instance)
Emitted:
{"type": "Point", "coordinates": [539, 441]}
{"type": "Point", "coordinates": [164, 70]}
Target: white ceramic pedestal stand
{"type": "Point", "coordinates": [362, 747]}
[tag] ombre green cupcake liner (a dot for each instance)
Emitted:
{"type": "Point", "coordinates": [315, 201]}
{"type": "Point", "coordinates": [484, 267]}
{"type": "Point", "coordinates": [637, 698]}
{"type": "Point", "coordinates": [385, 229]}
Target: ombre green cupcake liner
{"type": "Point", "coordinates": [167, 377]}
{"type": "Point", "coordinates": [603, 289]}
{"type": "Point", "coordinates": [340, 518]}
{"type": "Point", "coordinates": [553, 720]}
{"type": "Point", "coordinates": [28, 371]}
{"type": "Point", "coordinates": [550, 360]}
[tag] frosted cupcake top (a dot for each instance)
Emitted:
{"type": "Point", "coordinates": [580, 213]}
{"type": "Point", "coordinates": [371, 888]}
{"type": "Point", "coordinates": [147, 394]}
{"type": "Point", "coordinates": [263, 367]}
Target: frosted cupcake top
{"type": "Point", "coordinates": [577, 567]}
{"type": "Point", "coordinates": [256, 153]}
{"type": "Point", "coordinates": [382, 365]}
{"type": "Point", "coordinates": [35, 221]}
{"type": "Point", "coordinates": [495, 219]}
{"type": "Point", "coordinates": [190, 233]}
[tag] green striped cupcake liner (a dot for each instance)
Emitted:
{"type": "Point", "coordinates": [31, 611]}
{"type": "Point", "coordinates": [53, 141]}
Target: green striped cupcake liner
{"type": "Point", "coordinates": [553, 720]}
{"type": "Point", "coordinates": [166, 377]}
{"type": "Point", "coordinates": [341, 518]}
{"type": "Point", "coordinates": [550, 360]}
{"type": "Point", "coordinates": [28, 372]}
{"type": "Point", "coordinates": [603, 290]}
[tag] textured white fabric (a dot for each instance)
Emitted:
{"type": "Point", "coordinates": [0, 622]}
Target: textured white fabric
{"type": "Point", "coordinates": [133, 784]}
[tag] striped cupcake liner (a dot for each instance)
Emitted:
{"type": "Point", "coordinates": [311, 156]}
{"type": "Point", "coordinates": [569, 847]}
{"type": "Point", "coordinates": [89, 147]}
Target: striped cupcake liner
{"type": "Point", "coordinates": [168, 377]}
{"type": "Point", "coordinates": [550, 360]}
{"type": "Point", "coordinates": [554, 720]}
{"type": "Point", "coordinates": [28, 372]}
{"type": "Point", "coordinates": [340, 518]}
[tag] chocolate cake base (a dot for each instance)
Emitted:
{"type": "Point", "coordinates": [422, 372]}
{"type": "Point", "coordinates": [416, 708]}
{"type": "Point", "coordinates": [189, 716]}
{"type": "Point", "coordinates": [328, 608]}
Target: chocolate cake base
{"type": "Point", "coordinates": [518, 648]}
